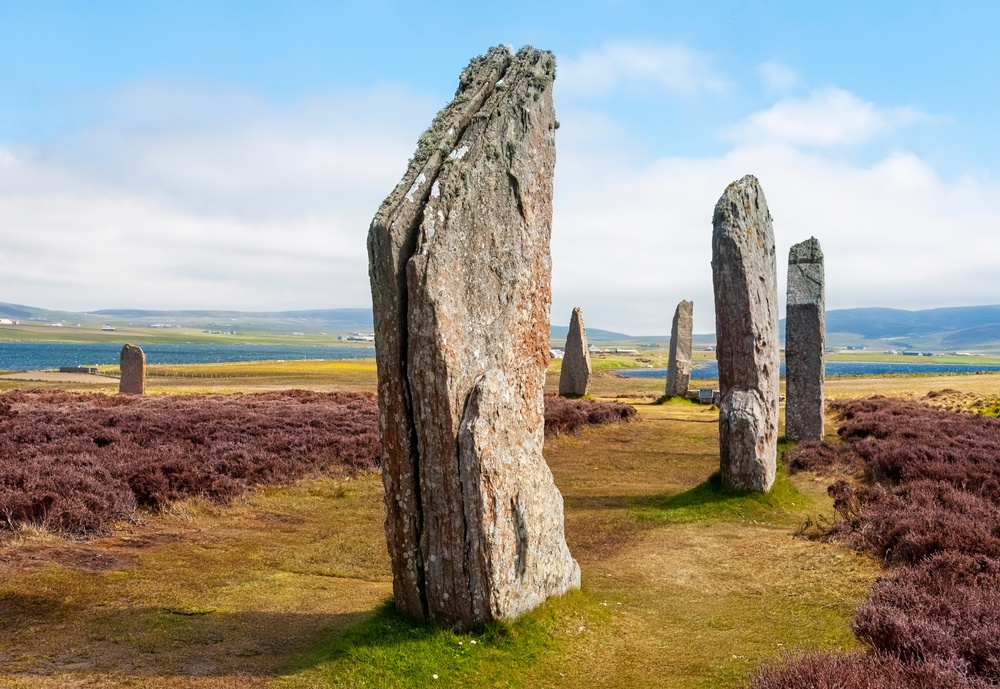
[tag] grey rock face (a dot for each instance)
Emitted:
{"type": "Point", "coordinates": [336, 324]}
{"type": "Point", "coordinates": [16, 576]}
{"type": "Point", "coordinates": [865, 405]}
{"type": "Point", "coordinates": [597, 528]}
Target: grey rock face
{"type": "Point", "coordinates": [746, 320]}
{"type": "Point", "coordinates": [460, 272]}
{"type": "Point", "coordinates": [133, 371]}
{"type": "Point", "coordinates": [575, 374]}
{"type": "Point", "coordinates": [679, 362]}
{"type": "Point", "coordinates": [805, 342]}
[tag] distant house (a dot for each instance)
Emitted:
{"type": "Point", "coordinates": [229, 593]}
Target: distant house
{"type": "Point", "coordinates": [108, 328]}
{"type": "Point", "coordinates": [6, 321]}
{"type": "Point", "coordinates": [360, 337]}
{"type": "Point", "coordinates": [619, 350]}
{"type": "Point", "coordinates": [555, 353]}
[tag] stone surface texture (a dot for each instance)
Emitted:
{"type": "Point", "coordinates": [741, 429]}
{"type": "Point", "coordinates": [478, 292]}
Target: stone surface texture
{"type": "Point", "coordinates": [460, 271]}
{"type": "Point", "coordinates": [133, 371]}
{"type": "Point", "coordinates": [805, 342]}
{"type": "Point", "coordinates": [575, 374]}
{"type": "Point", "coordinates": [744, 273]}
{"type": "Point", "coordinates": [679, 361]}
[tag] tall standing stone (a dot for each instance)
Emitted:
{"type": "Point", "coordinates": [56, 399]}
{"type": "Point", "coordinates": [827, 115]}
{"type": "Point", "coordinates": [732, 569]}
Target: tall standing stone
{"type": "Point", "coordinates": [805, 342]}
{"type": "Point", "coordinates": [575, 374]}
{"type": "Point", "coordinates": [132, 363]}
{"type": "Point", "coordinates": [679, 362]}
{"type": "Point", "coordinates": [460, 272]}
{"type": "Point", "coordinates": [746, 320]}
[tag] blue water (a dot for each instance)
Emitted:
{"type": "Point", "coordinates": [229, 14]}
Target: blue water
{"type": "Point", "coordinates": [710, 370]}
{"type": "Point", "coordinates": [33, 356]}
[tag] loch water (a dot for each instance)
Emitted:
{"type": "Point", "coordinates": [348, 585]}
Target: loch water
{"type": "Point", "coordinates": [36, 356]}
{"type": "Point", "coordinates": [710, 370]}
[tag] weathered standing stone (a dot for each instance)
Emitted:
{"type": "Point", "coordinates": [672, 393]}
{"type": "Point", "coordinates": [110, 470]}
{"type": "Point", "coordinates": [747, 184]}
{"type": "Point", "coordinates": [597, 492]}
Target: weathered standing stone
{"type": "Point", "coordinates": [805, 342]}
{"type": "Point", "coordinates": [679, 362]}
{"type": "Point", "coordinates": [575, 374]}
{"type": "Point", "coordinates": [746, 320]}
{"type": "Point", "coordinates": [132, 363]}
{"type": "Point", "coordinates": [460, 271]}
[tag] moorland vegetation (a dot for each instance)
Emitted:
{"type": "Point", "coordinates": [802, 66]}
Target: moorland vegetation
{"type": "Point", "coordinates": [76, 462]}
{"type": "Point", "coordinates": [927, 503]}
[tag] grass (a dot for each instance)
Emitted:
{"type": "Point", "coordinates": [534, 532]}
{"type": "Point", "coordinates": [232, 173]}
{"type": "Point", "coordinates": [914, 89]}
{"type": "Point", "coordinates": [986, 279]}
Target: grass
{"type": "Point", "coordinates": [386, 651]}
{"type": "Point", "coordinates": [716, 502]}
{"type": "Point", "coordinates": [878, 357]}
{"type": "Point", "coordinates": [683, 585]}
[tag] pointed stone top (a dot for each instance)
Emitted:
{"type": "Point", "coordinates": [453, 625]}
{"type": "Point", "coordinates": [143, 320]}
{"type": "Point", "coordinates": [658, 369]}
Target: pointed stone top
{"type": "Point", "coordinates": [808, 251]}
{"type": "Point", "coordinates": [743, 198]}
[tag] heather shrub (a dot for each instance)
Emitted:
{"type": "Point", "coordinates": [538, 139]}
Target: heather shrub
{"type": "Point", "coordinates": [564, 416]}
{"type": "Point", "coordinates": [819, 456]}
{"type": "Point", "coordinates": [947, 607]}
{"type": "Point", "coordinates": [77, 462]}
{"type": "Point", "coordinates": [868, 671]}
{"type": "Point", "coordinates": [930, 507]}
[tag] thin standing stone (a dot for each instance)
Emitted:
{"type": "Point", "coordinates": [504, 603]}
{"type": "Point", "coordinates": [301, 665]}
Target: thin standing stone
{"type": "Point", "coordinates": [679, 363]}
{"type": "Point", "coordinates": [744, 273]}
{"type": "Point", "coordinates": [805, 342]}
{"type": "Point", "coordinates": [132, 363]}
{"type": "Point", "coordinates": [575, 374]}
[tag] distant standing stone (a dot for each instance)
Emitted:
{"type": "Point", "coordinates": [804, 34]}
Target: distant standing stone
{"type": "Point", "coordinates": [460, 272]}
{"type": "Point", "coordinates": [133, 371]}
{"type": "Point", "coordinates": [805, 342]}
{"type": "Point", "coordinates": [744, 273]}
{"type": "Point", "coordinates": [575, 375]}
{"type": "Point", "coordinates": [679, 363]}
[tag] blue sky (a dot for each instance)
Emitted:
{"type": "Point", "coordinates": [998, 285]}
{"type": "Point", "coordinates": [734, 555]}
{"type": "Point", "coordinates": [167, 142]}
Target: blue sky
{"type": "Point", "coordinates": [230, 155]}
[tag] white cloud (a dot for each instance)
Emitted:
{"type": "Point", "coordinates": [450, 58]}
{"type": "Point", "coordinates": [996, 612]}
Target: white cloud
{"type": "Point", "coordinates": [828, 117]}
{"type": "Point", "coordinates": [672, 68]}
{"type": "Point", "coordinates": [230, 204]}
{"type": "Point", "coordinates": [243, 205]}
{"type": "Point", "coordinates": [629, 242]}
{"type": "Point", "coordinates": [777, 77]}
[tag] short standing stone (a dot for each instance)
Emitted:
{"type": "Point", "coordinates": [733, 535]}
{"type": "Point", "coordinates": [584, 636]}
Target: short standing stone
{"type": "Point", "coordinates": [460, 272]}
{"type": "Point", "coordinates": [133, 371]}
{"type": "Point", "coordinates": [746, 320]}
{"type": "Point", "coordinates": [805, 342]}
{"type": "Point", "coordinates": [679, 363]}
{"type": "Point", "coordinates": [575, 374]}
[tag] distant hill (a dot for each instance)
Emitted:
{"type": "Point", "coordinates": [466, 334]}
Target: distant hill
{"type": "Point", "coordinates": [953, 328]}
{"type": "Point", "coordinates": [879, 323]}
{"type": "Point", "coordinates": [559, 332]}
{"type": "Point", "coordinates": [329, 320]}
{"type": "Point", "coordinates": [973, 338]}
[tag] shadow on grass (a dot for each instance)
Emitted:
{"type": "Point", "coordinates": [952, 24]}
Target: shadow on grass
{"type": "Point", "coordinates": [714, 501]}
{"type": "Point", "coordinates": [154, 642]}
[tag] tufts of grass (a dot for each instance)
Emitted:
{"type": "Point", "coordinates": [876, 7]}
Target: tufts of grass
{"type": "Point", "coordinates": [712, 501]}
{"type": "Point", "coordinates": [388, 651]}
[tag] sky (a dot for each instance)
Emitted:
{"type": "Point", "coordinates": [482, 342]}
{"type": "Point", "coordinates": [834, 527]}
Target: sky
{"type": "Point", "coordinates": [231, 155]}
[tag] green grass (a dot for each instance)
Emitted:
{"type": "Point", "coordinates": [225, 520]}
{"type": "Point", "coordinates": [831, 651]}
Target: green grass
{"type": "Point", "coordinates": [388, 651]}
{"type": "Point", "coordinates": [714, 501]}
{"type": "Point", "coordinates": [854, 356]}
